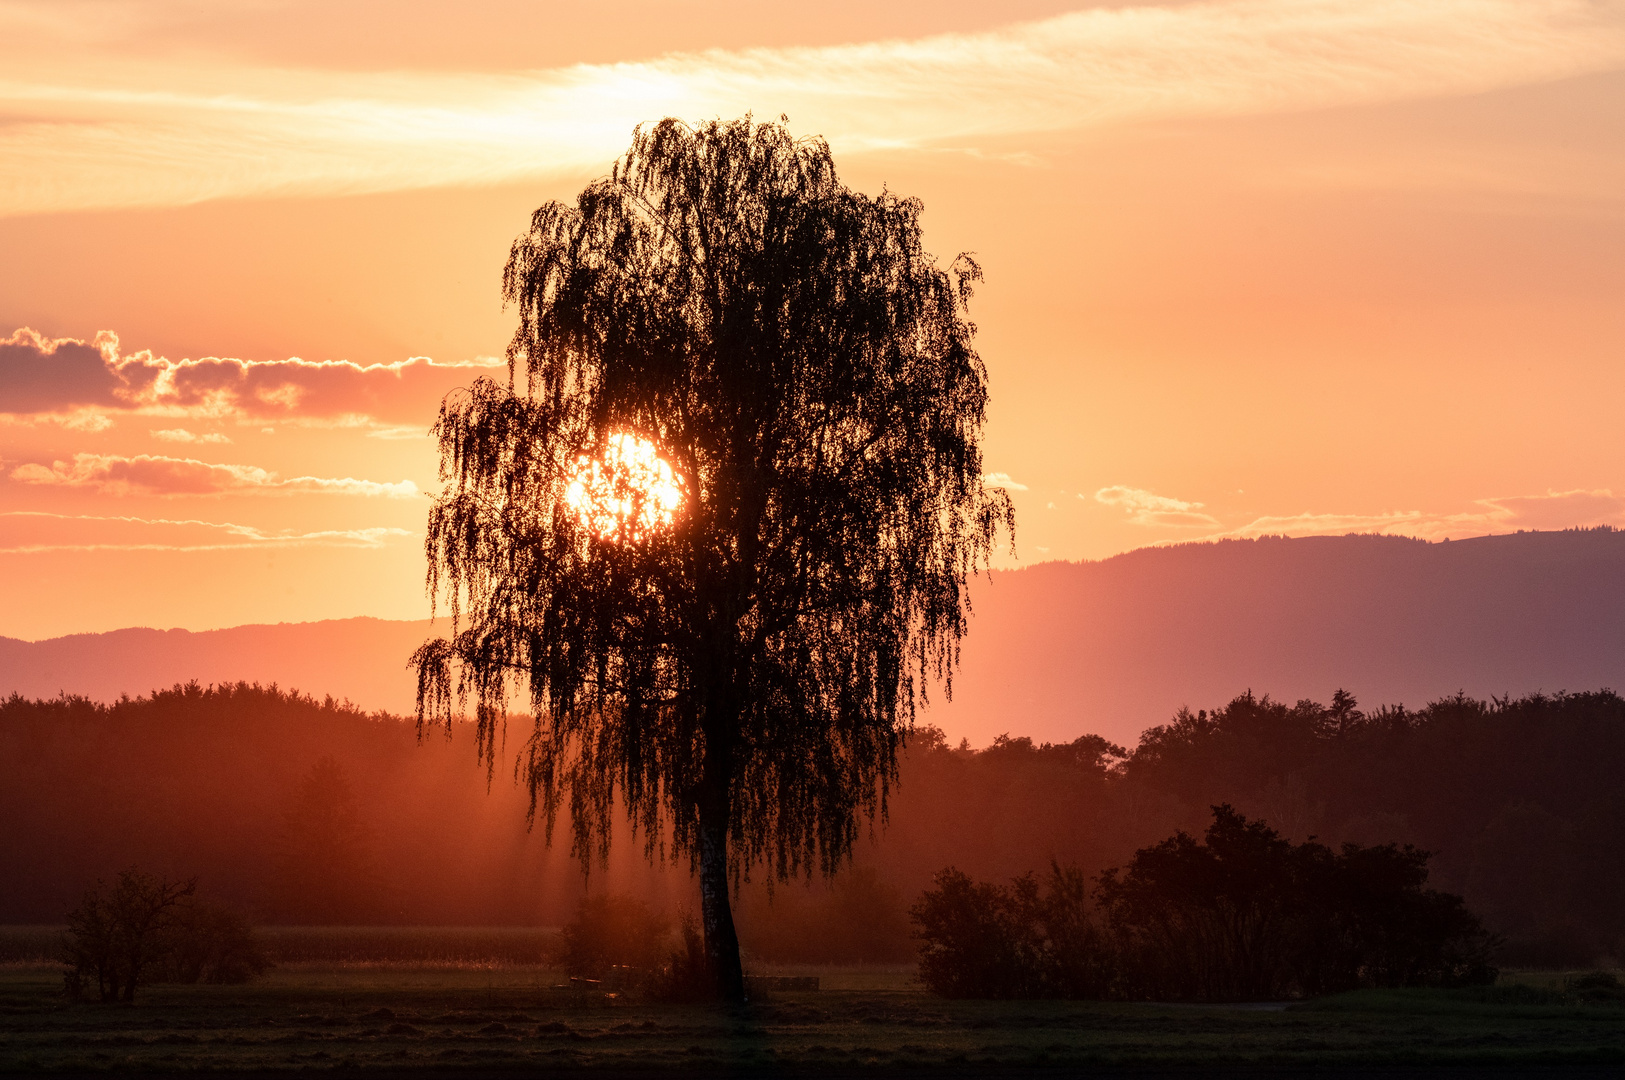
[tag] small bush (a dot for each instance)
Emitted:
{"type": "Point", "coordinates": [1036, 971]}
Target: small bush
{"type": "Point", "coordinates": [1596, 986]}
{"type": "Point", "coordinates": [986, 941]}
{"type": "Point", "coordinates": [209, 943]}
{"type": "Point", "coordinates": [612, 931]}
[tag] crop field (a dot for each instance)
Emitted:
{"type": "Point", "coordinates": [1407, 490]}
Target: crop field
{"type": "Point", "coordinates": [447, 1001]}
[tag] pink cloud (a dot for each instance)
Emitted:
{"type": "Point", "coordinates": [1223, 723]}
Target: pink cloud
{"type": "Point", "coordinates": [1553, 510]}
{"type": "Point", "coordinates": [31, 532]}
{"type": "Point", "coordinates": [1557, 510]}
{"type": "Point", "coordinates": [151, 474]}
{"type": "Point", "coordinates": [1148, 508]}
{"type": "Point", "coordinates": [42, 376]}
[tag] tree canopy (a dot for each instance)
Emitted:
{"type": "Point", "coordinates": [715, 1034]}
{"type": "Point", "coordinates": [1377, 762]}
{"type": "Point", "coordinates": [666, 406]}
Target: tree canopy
{"type": "Point", "coordinates": [720, 520]}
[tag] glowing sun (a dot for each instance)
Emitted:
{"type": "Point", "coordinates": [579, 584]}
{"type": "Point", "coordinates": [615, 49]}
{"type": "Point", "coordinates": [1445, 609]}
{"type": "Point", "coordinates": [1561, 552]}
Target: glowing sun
{"type": "Point", "coordinates": [627, 493]}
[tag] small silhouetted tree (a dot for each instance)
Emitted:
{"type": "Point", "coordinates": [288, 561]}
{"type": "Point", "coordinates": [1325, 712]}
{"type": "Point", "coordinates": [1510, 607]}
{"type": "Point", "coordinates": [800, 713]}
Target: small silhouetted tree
{"type": "Point", "coordinates": [116, 933]}
{"type": "Point", "coordinates": [749, 670]}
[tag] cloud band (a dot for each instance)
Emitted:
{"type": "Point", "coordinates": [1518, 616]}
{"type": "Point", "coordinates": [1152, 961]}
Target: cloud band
{"type": "Point", "coordinates": [147, 136]}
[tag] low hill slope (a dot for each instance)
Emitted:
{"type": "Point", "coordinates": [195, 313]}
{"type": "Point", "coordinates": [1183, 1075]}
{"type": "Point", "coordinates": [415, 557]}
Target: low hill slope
{"type": "Point", "coordinates": [1118, 645]}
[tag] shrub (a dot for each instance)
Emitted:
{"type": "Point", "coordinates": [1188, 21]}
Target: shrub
{"type": "Point", "coordinates": [985, 941]}
{"type": "Point", "coordinates": [1596, 986]}
{"type": "Point", "coordinates": [1241, 915]}
{"type": "Point", "coordinates": [209, 943]}
{"type": "Point", "coordinates": [611, 930]}
{"type": "Point", "coordinates": [1247, 915]}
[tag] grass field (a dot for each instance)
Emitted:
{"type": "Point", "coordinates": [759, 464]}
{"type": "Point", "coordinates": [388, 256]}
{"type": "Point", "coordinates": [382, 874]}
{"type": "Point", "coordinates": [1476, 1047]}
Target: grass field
{"type": "Point", "coordinates": [492, 1020]}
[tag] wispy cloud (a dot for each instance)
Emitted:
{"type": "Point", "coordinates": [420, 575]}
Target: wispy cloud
{"type": "Point", "coordinates": [1554, 510]}
{"type": "Point", "coordinates": [154, 474]}
{"type": "Point", "coordinates": [155, 135]}
{"type": "Point", "coordinates": [28, 532]}
{"type": "Point", "coordinates": [181, 435]}
{"type": "Point", "coordinates": [1002, 480]}
{"type": "Point", "coordinates": [1148, 508]}
{"type": "Point", "coordinates": [81, 383]}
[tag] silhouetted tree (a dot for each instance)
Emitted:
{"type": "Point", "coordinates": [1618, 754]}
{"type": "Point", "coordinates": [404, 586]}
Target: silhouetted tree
{"type": "Point", "coordinates": [1247, 915]}
{"type": "Point", "coordinates": [1240, 915]}
{"type": "Point", "coordinates": [1211, 920]}
{"type": "Point", "coordinates": [750, 668]}
{"type": "Point", "coordinates": [114, 935]}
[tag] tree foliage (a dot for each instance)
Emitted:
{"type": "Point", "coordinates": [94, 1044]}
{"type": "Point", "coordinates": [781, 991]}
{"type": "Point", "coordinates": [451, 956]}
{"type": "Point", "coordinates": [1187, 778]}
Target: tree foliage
{"type": "Point", "coordinates": [748, 672]}
{"type": "Point", "coordinates": [1030, 940]}
{"type": "Point", "coordinates": [146, 929]}
{"type": "Point", "coordinates": [1240, 915]}
{"type": "Point", "coordinates": [114, 936]}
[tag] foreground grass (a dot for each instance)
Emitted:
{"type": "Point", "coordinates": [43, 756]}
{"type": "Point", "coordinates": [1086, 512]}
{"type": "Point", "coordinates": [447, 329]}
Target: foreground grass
{"type": "Point", "coordinates": [497, 1020]}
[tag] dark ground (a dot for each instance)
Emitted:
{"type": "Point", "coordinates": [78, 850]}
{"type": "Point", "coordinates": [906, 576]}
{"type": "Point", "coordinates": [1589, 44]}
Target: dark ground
{"type": "Point", "coordinates": [499, 1022]}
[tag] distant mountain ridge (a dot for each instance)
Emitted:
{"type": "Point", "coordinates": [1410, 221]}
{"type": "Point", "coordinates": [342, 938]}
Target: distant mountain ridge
{"type": "Point", "coordinates": [363, 659]}
{"type": "Point", "coordinates": [1059, 649]}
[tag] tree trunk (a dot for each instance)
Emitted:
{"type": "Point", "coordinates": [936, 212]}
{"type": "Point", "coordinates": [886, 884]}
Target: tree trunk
{"type": "Point", "coordinates": [721, 940]}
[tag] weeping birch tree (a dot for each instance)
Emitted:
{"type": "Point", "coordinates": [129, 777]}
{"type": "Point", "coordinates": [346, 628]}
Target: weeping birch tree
{"type": "Point", "coordinates": [719, 522]}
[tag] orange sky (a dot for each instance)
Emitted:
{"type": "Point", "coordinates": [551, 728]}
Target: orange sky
{"type": "Point", "coordinates": [1253, 266]}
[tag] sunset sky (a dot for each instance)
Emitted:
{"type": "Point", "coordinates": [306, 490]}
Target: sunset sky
{"type": "Point", "coordinates": [1253, 266]}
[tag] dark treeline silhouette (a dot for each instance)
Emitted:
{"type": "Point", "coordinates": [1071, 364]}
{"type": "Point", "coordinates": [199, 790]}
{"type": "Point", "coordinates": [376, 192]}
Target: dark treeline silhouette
{"type": "Point", "coordinates": [1241, 915]}
{"type": "Point", "coordinates": [257, 790]}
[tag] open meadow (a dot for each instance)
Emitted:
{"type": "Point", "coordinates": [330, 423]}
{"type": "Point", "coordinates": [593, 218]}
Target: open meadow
{"type": "Point", "coordinates": [459, 1001]}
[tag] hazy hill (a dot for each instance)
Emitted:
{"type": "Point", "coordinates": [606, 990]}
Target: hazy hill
{"type": "Point", "coordinates": [361, 659]}
{"type": "Point", "coordinates": [1114, 646]}
{"type": "Point", "coordinates": [1063, 648]}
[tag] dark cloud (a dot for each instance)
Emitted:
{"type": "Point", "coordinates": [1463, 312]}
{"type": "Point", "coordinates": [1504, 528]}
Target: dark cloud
{"type": "Point", "coordinates": [38, 375]}
{"type": "Point", "coordinates": [42, 376]}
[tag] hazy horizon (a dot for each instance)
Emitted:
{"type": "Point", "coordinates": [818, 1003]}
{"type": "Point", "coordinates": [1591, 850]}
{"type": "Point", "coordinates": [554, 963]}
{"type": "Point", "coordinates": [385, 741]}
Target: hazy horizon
{"type": "Point", "coordinates": [1060, 650]}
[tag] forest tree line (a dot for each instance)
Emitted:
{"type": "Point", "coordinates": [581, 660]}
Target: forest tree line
{"type": "Point", "coordinates": [308, 811]}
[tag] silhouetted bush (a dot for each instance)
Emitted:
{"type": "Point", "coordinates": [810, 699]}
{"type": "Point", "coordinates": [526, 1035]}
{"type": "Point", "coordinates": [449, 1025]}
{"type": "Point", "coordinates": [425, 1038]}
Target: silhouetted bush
{"type": "Point", "coordinates": [1242, 915]}
{"type": "Point", "coordinates": [1596, 986]}
{"type": "Point", "coordinates": [612, 930]}
{"type": "Point", "coordinates": [986, 941]}
{"type": "Point", "coordinates": [208, 943]}
{"type": "Point", "coordinates": [1247, 915]}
